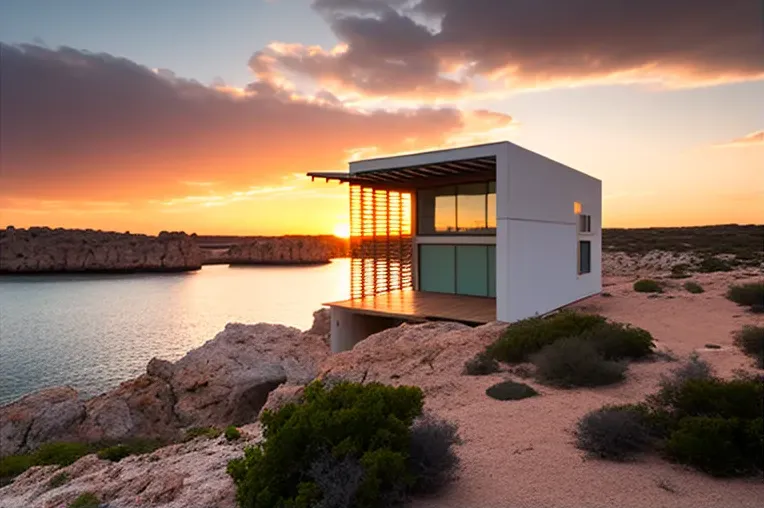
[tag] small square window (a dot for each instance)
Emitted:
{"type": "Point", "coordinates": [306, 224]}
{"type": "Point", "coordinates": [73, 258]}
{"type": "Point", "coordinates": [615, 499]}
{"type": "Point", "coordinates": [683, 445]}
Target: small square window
{"type": "Point", "coordinates": [584, 256]}
{"type": "Point", "coordinates": [577, 207]}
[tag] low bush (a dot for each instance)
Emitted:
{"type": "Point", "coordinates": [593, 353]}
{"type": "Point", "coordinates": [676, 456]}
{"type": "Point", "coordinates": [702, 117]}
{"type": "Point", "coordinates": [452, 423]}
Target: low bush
{"type": "Point", "coordinates": [60, 453]}
{"type": "Point", "coordinates": [350, 426]}
{"type": "Point", "coordinates": [432, 459]}
{"type": "Point", "coordinates": [14, 465]}
{"type": "Point", "coordinates": [575, 362]}
{"type": "Point", "coordinates": [648, 286]}
{"type": "Point", "coordinates": [119, 451]}
{"type": "Point", "coordinates": [719, 446]}
{"type": "Point", "coordinates": [481, 365]}
{"type": "Point", "coordinates": [614, 432]}
{"type": "Point", "coordinates": [616, 341]}
{"type": "Point", "coordinates": [205, 432]}
{"type": "Point", "coordinates": [58, 480]}
{"type": "Point", "coordinates": [680, 271]}
{"type": "Point", "coordinates": [713, 264]}
{"type": "Point", "coordinates": [526, 337]}
{"type": "Point", "coordinates": [509, 390]}
{"type": "Point", "coordinates": [693, 287]}
{"type": "Point", "coordinates": [748, 295]}
{"type": "Point", "coordinates": [232, 433]}
{"type": "Point", "coordinates": [86, 500]}
{"type": "Point", "coordinates": [750, 339]}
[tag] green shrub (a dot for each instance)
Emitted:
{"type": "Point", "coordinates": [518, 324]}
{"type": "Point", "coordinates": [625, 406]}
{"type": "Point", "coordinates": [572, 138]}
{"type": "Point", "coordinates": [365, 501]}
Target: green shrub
{"type": "Point", "coordinates": [749, 295]}
{"type": "Point", "coordinates": [751, 340]}
{"type": "Point", "coordinates": [481, 365]}
{"type": "Point", "coordinates": [85, 500]}
{"type": "Point", "coordinates": [529, 336]}
{"type": "Point", "coordinates": [232, 433]}
{"type": "Point", "coordinates": [718, 446]}
{"type": "Point", "coordinates": [613, 432]}
{"type": "Point", "coordinates": [14, 465]}
{"type": "Point", "coordinates": [713, 397]}
{"type": "Point", "coordinates": [509, 390]}
{"type": "Point", "coordinates": [58, 480]}
{"type": "Point", "coordinates": [575, 362]}
{"type": "Point", "coordinates": [432, 460]}
{"type": "Point", "coordinates": [693, 287]}
{"type": "Point", "coordinates": [712, 264]}
{"type": "Point", "coordinates": [60, 453]}
{"type": "Point", "coordinates": [680, 271]}
{"type": "Point", "coordinates": [119, 451]}
{"type": "Point", "coordinates": [616, 341]}
{"type": "Point", "coordinates": [648, 286]}
{"type": "Point", "coordinates": [205, 432]}
{"type": "Point", "coordinates": [366, 424]}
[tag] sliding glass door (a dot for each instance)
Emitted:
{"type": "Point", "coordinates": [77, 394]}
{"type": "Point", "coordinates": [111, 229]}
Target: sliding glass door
{"type": "Point", "coordinates": [458, 269]}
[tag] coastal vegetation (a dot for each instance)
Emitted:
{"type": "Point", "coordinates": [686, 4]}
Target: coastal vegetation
{"type": "Point", "coordinates": [648, 286]}
{"type": "Point", "coordinates": [371, 433]}
{"type": "Point", "coordinates": [693, 287]}
{"type": "Point", "coordinates": [750, 339]}
{"type": "Point", "coordinates": [712, 424]}
{"type": "Point", "coordinates": [749, 295]}
{"type": "Point", "coordinates": [482, 364]}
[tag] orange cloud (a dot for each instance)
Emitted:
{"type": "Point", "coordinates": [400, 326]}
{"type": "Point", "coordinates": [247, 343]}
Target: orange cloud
{"type": "Point", "coordinates": [753, 139]}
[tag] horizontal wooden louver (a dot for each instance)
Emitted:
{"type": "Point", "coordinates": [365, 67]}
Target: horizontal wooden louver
{"type": "Point", "coordinates": [380, 241]}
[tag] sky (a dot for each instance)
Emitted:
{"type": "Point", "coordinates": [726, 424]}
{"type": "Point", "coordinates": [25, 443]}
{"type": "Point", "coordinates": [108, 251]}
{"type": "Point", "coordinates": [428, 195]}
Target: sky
{"type": "Point", "coordinates": [205, 116]}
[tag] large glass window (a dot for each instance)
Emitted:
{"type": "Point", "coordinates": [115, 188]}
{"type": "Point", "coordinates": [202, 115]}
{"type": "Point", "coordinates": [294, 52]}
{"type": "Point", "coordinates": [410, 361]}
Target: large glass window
{"type": "Point", "coordinates": [457, 209]}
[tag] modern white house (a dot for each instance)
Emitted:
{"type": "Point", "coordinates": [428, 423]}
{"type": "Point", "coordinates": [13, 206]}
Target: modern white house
{"type": "Point", "coordinates": [474, 234]}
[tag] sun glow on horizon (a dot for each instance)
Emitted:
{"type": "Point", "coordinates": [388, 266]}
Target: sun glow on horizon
{"type": "Point", "coordinates": [342, 230]}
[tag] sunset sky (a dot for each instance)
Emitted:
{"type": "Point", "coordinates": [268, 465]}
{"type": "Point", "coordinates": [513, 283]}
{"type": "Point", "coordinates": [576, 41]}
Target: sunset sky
{"type": "Point", "coordinates": [203, 116]}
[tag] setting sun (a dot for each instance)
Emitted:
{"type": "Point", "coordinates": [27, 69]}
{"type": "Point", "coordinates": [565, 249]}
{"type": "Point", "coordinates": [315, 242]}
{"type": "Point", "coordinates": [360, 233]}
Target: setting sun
{"type": "Point", "coordinates": [342, 231]}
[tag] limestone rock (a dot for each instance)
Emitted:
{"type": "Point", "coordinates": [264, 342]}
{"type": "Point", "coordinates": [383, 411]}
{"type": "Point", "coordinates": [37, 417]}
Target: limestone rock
{"type": "Point", "coordinates": [48, 415]}
{"type": "Point", "coordinates": [281, 396]}
{"type": "Point", "coordinates": [191, 474]}
{"type": "Point", "coordinates": [322, 323]}
{"type": "Point", "coordinates": [288, 250]}
{"type": "Point", "coordinates": [160, 368]}
{"type": "Point", "coordinates": [61, 250]}
{"type": "Point", "coordinates": [141, 407]}
{"type": "Point", "coordinates": [228, 379]}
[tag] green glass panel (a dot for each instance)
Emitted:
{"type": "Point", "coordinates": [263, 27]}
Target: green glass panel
{"type": "Point", "coordinates": [437, 268]}
{"type": "Point", "coordinates": [472, 270]}
{"type": "Point", "coordinates": [492, 270]}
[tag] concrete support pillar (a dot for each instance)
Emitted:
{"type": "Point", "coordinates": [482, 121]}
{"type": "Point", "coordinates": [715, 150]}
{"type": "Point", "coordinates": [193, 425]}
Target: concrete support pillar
{"type": "Point", "coordinates": [348, 328]}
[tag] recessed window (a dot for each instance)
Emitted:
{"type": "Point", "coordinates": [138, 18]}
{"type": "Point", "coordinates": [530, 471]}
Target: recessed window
{"type": "Point", "coordinates": [584, 256]}
{"type": "Point", "coordinates": [457, 209]}
{"type": "Point", "coordinates": [585, 223]}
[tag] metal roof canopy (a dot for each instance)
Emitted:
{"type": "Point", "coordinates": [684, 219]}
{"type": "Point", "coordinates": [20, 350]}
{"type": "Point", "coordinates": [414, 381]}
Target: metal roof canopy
{"type": "Point", "coordinates": [476, 169]}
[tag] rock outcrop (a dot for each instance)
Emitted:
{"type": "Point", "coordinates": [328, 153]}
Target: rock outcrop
{"type": "Point", "coordinates": [654, 262]}
{"type": "Point", "coordinates": [191, 474]}
{"type": "Point", "coordinates": [287, 250]}
{"type": "Point", "coordinates": [225, 381]}
{"type": "Point", "coordinates": [43, 250]}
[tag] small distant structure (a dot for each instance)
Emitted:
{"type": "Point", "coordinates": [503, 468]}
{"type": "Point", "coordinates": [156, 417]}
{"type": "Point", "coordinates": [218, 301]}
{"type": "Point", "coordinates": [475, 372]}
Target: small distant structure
{"type": "Point", "coordinates": [473, 234]}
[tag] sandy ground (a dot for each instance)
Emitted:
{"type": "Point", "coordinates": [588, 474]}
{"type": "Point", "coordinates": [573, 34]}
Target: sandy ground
{"type": "Point", "coordinates": [521, 453]}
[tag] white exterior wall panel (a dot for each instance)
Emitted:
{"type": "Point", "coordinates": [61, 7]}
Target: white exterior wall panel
{"type": "Point", "coordinates": [538, 243]}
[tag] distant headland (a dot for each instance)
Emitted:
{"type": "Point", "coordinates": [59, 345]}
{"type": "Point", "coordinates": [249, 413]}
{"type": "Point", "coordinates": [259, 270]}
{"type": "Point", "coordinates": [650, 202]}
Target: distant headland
{"type": "Point", "coordinates": [48, 250]}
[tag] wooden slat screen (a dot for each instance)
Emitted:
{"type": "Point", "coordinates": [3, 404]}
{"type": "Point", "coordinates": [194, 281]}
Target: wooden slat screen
{"type": "Point", "coordinates": [380, 241]}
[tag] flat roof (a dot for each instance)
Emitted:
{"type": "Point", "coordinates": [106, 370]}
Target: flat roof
{"type": "Point", "coordinates": [477, 168]}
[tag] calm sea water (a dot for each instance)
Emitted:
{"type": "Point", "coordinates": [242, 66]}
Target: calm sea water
{"type": "Point", "coordinates": [94, 331]}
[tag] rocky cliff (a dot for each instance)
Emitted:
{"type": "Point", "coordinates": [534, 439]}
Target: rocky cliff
{"type": "Point", "coordinates": [40, 250]}
{"type": "Point", "coordinates": [287, 250]}
{"type": "Point", "coordinates": [225, 381]}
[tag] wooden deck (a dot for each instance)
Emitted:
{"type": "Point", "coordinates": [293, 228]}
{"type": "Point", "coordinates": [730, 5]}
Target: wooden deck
{"type": "Point", "coordinates": [421, 305]}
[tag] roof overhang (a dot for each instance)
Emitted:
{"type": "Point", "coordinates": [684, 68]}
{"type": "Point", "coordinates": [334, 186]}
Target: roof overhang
{"type": "Point", "coordinates": [422, 175]}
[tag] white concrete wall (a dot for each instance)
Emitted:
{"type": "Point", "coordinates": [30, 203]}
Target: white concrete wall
{"type": "Point", "coordinates": [537, 236]}
{"type": "Point", "coordinates": [349, 328]}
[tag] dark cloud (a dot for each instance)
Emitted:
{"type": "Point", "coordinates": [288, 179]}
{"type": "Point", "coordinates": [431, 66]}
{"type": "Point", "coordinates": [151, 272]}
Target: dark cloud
{"type": "Point", "coordinates": [411, 48]}
{"type": "Point", "coordinates": [79, 124]}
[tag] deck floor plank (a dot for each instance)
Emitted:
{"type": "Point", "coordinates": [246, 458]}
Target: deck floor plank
{"type": "Point", "coordinates": [408, 304]}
